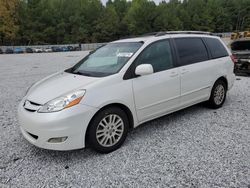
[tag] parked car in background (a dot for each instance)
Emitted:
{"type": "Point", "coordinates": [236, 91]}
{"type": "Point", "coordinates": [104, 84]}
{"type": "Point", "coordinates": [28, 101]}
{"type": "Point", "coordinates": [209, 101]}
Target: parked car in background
{"type": "Point", "coordinates": [18, 51]}
{"type": "Point", "coordinates": [241, 50]}
{"type": "Point", "coordinates": [64, 49]}
{"type": "Point", "coordinates": [47, 49]}
{"type": "Point", "coordinates": [1, 51]}
{"type": "Point", "coordinates": [38, 50]}
{"type": "Point", "coordinates": [9, 51]}
{"type": "Point", "coordinates": [55, 49]}
{"type": "Point", "coordinates": [70, 48]}
{"type": "Point", "coordinates": [122, 85]}
{"type": "Point", "coordinates": [77, 48]}
{"type": "Point", "coordinates": [29, 50]}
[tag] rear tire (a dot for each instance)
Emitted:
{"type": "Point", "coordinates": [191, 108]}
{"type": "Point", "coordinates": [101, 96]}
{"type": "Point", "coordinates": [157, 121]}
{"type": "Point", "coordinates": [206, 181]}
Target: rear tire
{"type": "Point", "coordinates": [108, 130]}
{"type": "Point", "coordinates": [218, 95]}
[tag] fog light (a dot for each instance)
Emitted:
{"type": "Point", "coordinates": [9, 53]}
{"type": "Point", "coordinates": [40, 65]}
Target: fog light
{"type": "Point", "coordinates": [57, 140]}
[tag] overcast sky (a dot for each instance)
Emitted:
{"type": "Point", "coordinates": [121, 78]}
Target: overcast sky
{"type": "Point", "coordinates": [156, 1]}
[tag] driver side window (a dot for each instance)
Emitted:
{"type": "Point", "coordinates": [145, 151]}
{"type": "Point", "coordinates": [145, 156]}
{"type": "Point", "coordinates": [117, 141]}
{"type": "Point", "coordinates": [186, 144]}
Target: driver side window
{"type": "Point", "coordinates": [158, 55]}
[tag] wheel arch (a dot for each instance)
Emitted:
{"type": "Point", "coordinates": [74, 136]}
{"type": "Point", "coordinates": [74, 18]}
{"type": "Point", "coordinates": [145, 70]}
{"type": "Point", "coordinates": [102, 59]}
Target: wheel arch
{"type": "Point", "coordinates": [224, 79]}
{"type": "Point", "coordinates": [119, 105]}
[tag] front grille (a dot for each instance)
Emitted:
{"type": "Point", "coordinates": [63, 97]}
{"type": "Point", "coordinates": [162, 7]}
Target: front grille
{"type": "Point", "coordinates": [29, 110]}
{"type": "Point", "coordinates": [31, 106]}
{"type": "Point", "coordinates": [33, 103]}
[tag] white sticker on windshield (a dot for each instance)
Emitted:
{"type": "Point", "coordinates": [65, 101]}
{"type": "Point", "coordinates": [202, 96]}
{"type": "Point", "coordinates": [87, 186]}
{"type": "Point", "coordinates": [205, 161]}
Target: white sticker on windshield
{"type": "Point", "coordinates": [124, 54]}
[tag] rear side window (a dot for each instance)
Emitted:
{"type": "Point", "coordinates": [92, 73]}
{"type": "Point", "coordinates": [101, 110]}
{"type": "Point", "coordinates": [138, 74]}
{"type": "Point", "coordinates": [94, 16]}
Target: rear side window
{"type": "Point", "coordinates": [216, 48]}
{"type": "Point", "coordinates": [191, 50]}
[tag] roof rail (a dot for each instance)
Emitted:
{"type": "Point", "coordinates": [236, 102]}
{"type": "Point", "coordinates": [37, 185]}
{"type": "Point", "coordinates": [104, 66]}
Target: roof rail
{"type": "Point", "coordinates": [161, 33]}
{"type": "Point", "coordinates": [183, 32]}
{"type": "Point", "coordinates": [149, 34]}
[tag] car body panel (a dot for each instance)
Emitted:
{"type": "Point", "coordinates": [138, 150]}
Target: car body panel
{"type": "Point", "coordinates": [153, 95]}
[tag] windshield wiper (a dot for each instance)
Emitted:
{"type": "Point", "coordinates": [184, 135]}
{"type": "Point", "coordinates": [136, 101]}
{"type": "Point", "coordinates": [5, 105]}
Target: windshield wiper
{"type": "Point", "coordinates": [90, 74]}
{"type": "Point", "coordinates": [82, 73]}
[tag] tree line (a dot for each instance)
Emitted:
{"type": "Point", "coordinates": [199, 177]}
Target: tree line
{"type": "Point", "coordinates": [25, 22]}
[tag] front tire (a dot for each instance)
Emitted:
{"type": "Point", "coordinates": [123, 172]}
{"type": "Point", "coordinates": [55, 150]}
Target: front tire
{"type": "Point", "coordinates": [218, 95]}
{"type": "Point", "coordinates": [108, 130]}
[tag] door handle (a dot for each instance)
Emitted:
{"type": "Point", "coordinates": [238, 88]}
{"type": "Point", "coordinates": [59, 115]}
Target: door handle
{"type": "Point", "coordinates": [173, 74]}
{"type": "Point", "coordinates": [184, 71]}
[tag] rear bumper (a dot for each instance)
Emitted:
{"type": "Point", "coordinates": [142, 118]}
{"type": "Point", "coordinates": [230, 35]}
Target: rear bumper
{"type": "Point", "coordinates": [231, 80]}
{"type": "Point", "coordinates": [39, 128]}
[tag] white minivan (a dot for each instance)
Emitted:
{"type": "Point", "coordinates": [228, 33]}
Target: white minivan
{"type": "Point", "coordinates": [123, 84]}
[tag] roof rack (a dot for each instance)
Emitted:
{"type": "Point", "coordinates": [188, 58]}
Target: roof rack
{"type": "Point", "coordinates": [184, 32]}
{"type": "Point", "coordinates": [149, 34]}
{"type": "Point", "coordinates": [161, 33]}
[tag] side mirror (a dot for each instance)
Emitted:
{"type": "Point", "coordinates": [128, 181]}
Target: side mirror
{"type": "Point", "coordinates": [144, 69]}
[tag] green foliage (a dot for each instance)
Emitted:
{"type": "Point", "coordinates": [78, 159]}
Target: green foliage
{"type": "Point", "coordinates": [169, 16]}
{"type": "Point", "coordinates": [81, 21]}
{"type": "Point", "coordinates": [106, 27]}
{"type": "Point", "coordinates": [141, 16]}
{"type": "Point", "coordinates": [8, 20]}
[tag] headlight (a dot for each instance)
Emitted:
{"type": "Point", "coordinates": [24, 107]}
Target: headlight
{"type": "Point", "coordinates": [63, 102]}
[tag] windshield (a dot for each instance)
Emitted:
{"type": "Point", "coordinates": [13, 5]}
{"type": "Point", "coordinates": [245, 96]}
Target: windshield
{"type": "Point", "coordinates": [240, 45]}
{"type": "Point", "coordinates": [106, 60]}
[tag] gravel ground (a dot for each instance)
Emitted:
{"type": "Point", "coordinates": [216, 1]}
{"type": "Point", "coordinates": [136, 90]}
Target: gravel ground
{"type": "Point", "coordinates": [195, 147]}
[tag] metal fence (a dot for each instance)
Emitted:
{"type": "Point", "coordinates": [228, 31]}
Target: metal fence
{"type": "Point", "coordinates": [84, 47]}
{"type": "Point", "coordinates": [91, 46]}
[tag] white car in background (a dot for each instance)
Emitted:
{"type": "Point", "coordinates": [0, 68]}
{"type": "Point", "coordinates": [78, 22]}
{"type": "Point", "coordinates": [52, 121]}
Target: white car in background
{"type": "Point", "coordinates": [123, 84]}
{"type": "Point", "coordinates": [47, 49]}
{"type": "Point", "coordinates": [38, 50]}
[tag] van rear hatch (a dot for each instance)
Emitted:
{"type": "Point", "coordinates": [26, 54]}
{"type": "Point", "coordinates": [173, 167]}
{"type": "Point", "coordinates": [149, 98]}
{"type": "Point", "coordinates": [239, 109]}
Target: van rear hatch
{"type": "Point", "coordinates": [241, 51]}
{"type": "Point", "coordinates": [241, 48]}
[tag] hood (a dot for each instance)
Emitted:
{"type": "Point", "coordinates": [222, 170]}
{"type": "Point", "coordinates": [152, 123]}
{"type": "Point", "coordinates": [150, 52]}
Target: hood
{"type": "Point", "coordinates": [57, 85]}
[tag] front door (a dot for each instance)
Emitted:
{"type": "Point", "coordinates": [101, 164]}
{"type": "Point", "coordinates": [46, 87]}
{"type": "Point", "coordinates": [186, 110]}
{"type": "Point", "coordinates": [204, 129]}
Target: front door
{"type": "Point", "coordinates": [157, 93]}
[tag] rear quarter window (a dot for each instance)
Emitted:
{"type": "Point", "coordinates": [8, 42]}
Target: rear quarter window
{"type": "Point", "coordinates": [191, 50]}
{"type": "Point", "coordinates": [216, 48]}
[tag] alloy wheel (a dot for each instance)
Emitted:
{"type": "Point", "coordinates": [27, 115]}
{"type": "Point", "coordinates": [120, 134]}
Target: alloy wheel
{"type": "Point", "coordinates": [110, 130]}
{"type": "Point", "coordinates": [219, 94]}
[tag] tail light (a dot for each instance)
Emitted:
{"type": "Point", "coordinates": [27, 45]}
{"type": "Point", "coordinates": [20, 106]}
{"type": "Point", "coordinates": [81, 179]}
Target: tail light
{"type": "Point", "coordinates": [233, 58]}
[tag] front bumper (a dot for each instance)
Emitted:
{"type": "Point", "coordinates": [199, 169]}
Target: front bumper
{"type": "Point", "coordinates": [72, 123]}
